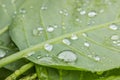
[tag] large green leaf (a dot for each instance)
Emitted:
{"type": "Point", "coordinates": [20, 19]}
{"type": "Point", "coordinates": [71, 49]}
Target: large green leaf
{"type": "Point", "coordinates": [71, 34]}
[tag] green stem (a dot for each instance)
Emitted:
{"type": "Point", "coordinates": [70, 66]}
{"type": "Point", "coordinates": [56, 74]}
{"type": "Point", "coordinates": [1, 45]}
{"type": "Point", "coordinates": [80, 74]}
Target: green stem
{"type": "Point", "coordinates": [3, 30]}
{"type": "Point", "coordinates": [33, 77]}
{"type": "Point", "coordinates": [20, 71]}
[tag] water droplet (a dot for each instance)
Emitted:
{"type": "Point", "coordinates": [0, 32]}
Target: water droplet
{"type": "Point", "coordinates": [77, 19]}
{"type": "Point", "coordinates": [84, 34]}
{"type": "Point", "coordinates": [48, 47]}
{"type": "Point", "coordinates": [22, 11]}
{"type": "Point", "coordinates": [37, 31]}
{"type": "Point", "coordinates": [67, 56]}
{"type": "Point", "coordinates": [50, 29]}
{"type": "Point", "coordinates": [64, 12]}
{"type": "Point", "coordinates": [101, 11]}
{"type": "Point", "coordinates": [83, 12]}
{"type": "Point", "coordinates": [78, 9]}
{"type": "Point", "coordinates": [114, 37]}
{"type": "Point", "coordinates": [118, 44]}
{"type": "Point", "coordinates": [66, 41]}
{"type": "Point", "coordinates": [92, 14]}
{"type": "Point", "coordinates": [39, 28]}
{"type": "Point", "coordinates": [55, 26]}
{"type": "Point", "coordinates": [43, 8]}
{"type": "Point", "coordinates": [15, 12]}
{"type": "Point", "coordinates": [2, 53]}
{"type": "Point", "coordinates": [30, 54]}
{"type": "Point", "coordinates": [74, 37]}
{"type": "Point", "coordinates": [46, 60]}
{"type": "Point", "coordinates": [61, 12]}
{"type": "Point", "coordinates": [31, 7]}
{"type": "Point", "coordinates": [86, 44]}
{"type": "Point", "coordinates": [38, 57]}
{"type": "Point", "coordinates": [97, 58]}
{"type": "Point", "coordinates": [113, 27]}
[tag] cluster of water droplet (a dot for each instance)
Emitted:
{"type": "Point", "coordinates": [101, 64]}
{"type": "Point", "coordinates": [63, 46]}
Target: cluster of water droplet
{"type": "Point", "coordinates": [115, 37]}
{"type": "Point", "coordinates": [64, 12]}
{"type": "Point", "coordinates": [37, 31]}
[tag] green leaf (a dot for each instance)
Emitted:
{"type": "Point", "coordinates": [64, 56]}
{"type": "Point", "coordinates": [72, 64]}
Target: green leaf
{"type": "Point", "coordinates": [67, 37]}
{"type": "Point", "coordinates": [46, 73]}
{"type": "Point", "coordinates": [8, 10]}
{"type": "Point", "coordinates": [4, 73]}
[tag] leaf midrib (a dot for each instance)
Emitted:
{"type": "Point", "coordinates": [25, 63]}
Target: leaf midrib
{"type": "Point", "coordinates": [40, 45]}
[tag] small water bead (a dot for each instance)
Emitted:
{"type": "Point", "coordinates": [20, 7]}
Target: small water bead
{"type": "Point", "coordinates": [2, 53]}
{"type": "Point", "coordinates": [66, 41]}
{"type": "Point", "coordinates": [46, 60]}
{"type": "Point", "coordinates": [61, 12]}
{"type": "Point", "coordinates": [84, 34]}
{"type": "Point", "coordinates": [97, 58]}
{"type": "Point", "coordinates": [55, 26]}
{"type": "Point", "coordinates": [37, 31]}
{"type": "Point", "coordinates": [77, 19]}
{"type": "Point", "coordinates": [31, 7]}
{"type": "Point", "coordinates": [86, 44]}
{"type": "Point", "coordinates": [78, 9]}
{"type": "Point", "coordinates": [92, 14]}
{"type": "Point", "coordinates": [38, 57]}
{"type": "Point", "coordinates": [64, 12]}
{"type": "Point", "coordinates": [74, 37]}
{"type": "Point", "coordinates": [83, 12]}
{"type": "Point", "coordinates": [67, 56]}
{"type": "Point", "coordinates": [50, 29]}
{"type": "Point", "coordinates": [22, 11]}
{"type": "Point", "coordinates": [115, 37]}
{"type": "Point", "coordinates": [101, 11]}
{"type": "Point", "coordinates": [30, 54]}
{"type": "Point", "coordinates": [48, 47]}
{"type": "Point", "coordinates": [39, 28]}
{"type": "Point", "coordinates": [113, 27]}
{"type": "Point", "coordinates": [44, 8]}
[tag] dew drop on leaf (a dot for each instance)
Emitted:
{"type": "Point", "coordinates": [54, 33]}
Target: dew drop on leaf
{"type": "Point", "coordinates": [86, 44]}
{"type": "Point", "coordinates": [44, 8]}
{"type": "Point", "coordinates": [38, 31]}
{"type": "Point", "coordinates": [74, 37]}
{"type": "Point", "coordinates": [92, 14]}
{"type": "Point", "coordinates": [46, 59]}
{"type": "Point", "coordinates": [30, 54]}
{"type": "Point", "coordinates": [97, 58]}
{"type": "Point", "coordinates": [48, 47]}
{"type": "Point", "coordinates": [2, 53]}
{"type": "Point", "coordinates": [61, 12]}
{"type": "Point", "coordinates": [77, 19]}
{"type": "Point", "coordinates": [114, 37]}
{"type": "Point", "coordinates": [55, 26]}
{"type": "Point", "coordinates": [50, 29]}
{"type": "Point", "coordinates": [67, 56]}
{"type": "Point", "coordinates": [83, 12]}
{"type": "Point", "coordinates": [113, 27]}
{"type": "Point", "coordinates": [22, 11]}
{"type": "Point", "coordinates": [66, 41]}
{"type": "Point", "coordinates": [79, 9]}
{"type": "Point", "coordinates": [84, 34]}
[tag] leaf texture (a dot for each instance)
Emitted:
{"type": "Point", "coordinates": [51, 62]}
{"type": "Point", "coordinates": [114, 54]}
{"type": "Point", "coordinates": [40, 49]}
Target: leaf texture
{"type": "Point", "coordinates": [70, 34]}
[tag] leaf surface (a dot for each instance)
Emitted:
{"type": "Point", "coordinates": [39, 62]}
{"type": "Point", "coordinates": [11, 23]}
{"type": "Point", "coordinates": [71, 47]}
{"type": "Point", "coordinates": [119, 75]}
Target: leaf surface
{"type": "Point", "coordinates": [70, 34]}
